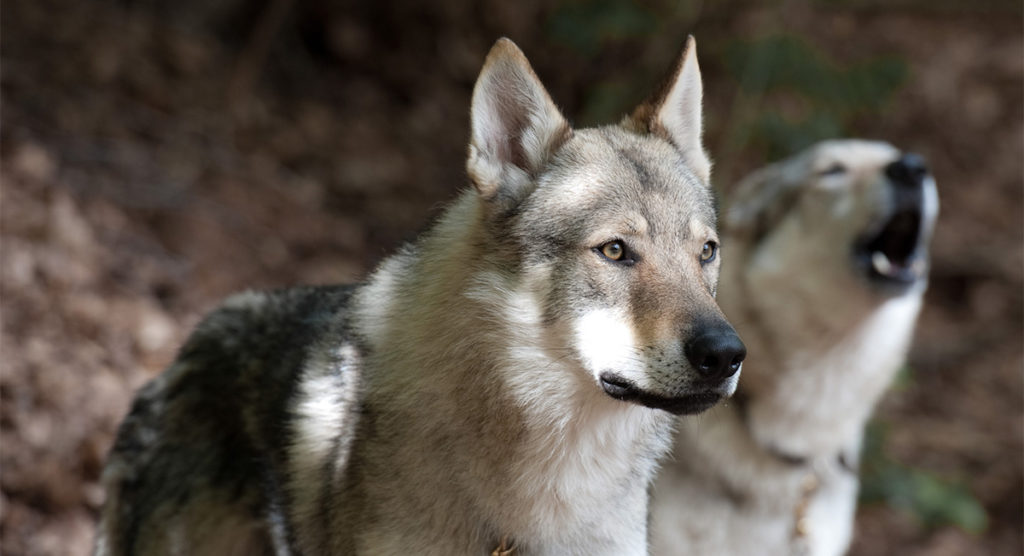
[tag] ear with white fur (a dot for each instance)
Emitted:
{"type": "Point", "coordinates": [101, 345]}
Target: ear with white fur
{"type": "Point", "coordinates": [515, 125]}
{"type": "Point", "coordinates": [674, 112]}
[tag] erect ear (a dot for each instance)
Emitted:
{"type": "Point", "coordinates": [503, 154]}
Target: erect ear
{"type": "Point", "coordinates": [762, 199]}
{"type": "Point", "coordinates": [674, 111]}
{"type": "Point", "coordinates": [515, 125]}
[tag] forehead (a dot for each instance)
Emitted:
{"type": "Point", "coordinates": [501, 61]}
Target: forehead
{"type": "Point", "coordinates": [851, 153]}
{"type": "Point", "coordinates": [609, 173]}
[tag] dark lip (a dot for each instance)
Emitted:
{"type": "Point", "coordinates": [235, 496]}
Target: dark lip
{"type": "Point", "coordinates": [625, 390]}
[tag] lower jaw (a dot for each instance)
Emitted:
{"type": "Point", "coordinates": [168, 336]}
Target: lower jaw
{"type": "Point", "coordinates": [685, 405]}
{"type": "Point", "coordinates": [892, 286]}
{"type": "Point", "coordinates": [690, 405]}
{"type": "Point", "coordinates": [627, 391]}
{"type": "Point", "coordinates": [891, 282]}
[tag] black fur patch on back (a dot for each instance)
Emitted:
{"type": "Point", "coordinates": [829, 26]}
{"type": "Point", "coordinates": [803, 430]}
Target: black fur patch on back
{"type": "Point", "coordinates": [216, 423]}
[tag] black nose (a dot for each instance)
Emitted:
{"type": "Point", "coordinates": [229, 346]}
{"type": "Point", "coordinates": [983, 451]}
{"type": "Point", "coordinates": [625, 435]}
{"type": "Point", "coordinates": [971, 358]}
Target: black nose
{"type": "Point", "coordinates": [716, 353]}
{"type": "Point", "coordinates": [910, 170]}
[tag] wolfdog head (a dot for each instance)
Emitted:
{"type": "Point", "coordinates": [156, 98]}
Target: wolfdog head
{"type": "Point", "coordinates": [612, 233]}
{"type": "Point", "coordinates": [831, 263]}
{"type": "Point", "coordinates": [860, 209]}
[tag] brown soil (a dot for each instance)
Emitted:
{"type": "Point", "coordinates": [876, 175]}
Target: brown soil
{"type": "Point", "coordinates": [155, 161]}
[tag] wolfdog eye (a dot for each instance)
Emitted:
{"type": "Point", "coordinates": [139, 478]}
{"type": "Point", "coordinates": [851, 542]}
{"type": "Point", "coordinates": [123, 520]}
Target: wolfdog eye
{"type": "Point", "coordinates": [833, 170]}
{"type": "Point", "coordinates": [613, 251]}
{"type": "Point", "coordinates": [708, 252]}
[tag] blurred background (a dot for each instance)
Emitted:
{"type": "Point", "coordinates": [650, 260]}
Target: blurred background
{"type": "Point", "coordinates": [157, 156]}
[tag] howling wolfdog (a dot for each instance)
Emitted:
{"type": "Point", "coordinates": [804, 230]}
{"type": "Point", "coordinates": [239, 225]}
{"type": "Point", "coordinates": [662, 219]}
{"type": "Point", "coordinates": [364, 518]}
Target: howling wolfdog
{"type": "Point", "coordinates": [505, 383]}
{"type": "Point", "coordinates": [827, 271]}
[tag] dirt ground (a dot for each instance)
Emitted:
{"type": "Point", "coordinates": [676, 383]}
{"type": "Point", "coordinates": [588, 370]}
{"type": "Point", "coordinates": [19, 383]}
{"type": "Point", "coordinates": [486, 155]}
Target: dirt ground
{"type": "Point", "coordinates": [157, 158]}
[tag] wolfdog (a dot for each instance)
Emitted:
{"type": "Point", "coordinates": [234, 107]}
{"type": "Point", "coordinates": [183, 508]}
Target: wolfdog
{"type": "Point", "coordinates": [505, 383]}
{"type": "Point", "coordinates": [827, 271]}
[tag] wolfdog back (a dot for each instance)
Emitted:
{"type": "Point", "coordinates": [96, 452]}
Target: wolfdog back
{"type": "Point", "coordinates": [504, 384]}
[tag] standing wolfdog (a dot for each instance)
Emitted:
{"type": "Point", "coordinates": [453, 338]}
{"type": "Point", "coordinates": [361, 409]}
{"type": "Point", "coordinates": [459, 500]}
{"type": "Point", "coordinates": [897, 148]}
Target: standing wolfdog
{"type": "Point", "coordinates": [506, 382]}
{"type": "Point", "coordinates": [827, 271]}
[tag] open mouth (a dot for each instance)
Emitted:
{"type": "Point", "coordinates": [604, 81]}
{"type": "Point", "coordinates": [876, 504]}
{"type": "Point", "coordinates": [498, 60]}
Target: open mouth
{"type": "Point", "coordinates": [625, 390]}
{"type": "Point", "coordinates": [895, 253]}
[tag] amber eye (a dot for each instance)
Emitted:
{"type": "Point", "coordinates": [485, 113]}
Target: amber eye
{"type": "Point", "coordinates": [707, 253]}
{"type": "Point", "coordinates": [613, 250]}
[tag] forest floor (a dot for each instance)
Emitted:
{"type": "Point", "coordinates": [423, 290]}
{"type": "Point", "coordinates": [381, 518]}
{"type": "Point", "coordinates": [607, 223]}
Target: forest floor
{"type": "Point", "coordinates": [148, 171]}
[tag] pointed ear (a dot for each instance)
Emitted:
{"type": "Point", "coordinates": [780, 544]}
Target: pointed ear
{"type": "Point", "coordinates": [762, 199]}
{"type": "Point", "coordinates": [674, 112]}
{"type": "Point", "coordinates": [515, 125]}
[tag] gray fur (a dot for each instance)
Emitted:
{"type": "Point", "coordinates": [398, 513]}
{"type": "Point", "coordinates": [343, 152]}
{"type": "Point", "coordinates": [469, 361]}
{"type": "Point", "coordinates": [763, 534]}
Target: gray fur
{"type": "Point", "coordinates": [774, 472]}
{"type": "Point", "coordinates": [456, 397]}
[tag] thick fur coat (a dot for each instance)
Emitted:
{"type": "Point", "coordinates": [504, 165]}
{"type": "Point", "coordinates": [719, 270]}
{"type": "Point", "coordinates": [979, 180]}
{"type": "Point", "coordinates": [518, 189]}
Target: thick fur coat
{"type": "Point", "coordinates": [508, 379]}
{"type": "Point", "coordinates": [826, 274]}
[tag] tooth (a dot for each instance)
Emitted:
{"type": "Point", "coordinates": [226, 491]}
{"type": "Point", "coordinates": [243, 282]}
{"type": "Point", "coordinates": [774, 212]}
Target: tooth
{"type": "Point", "coordinates": [881, 263]}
